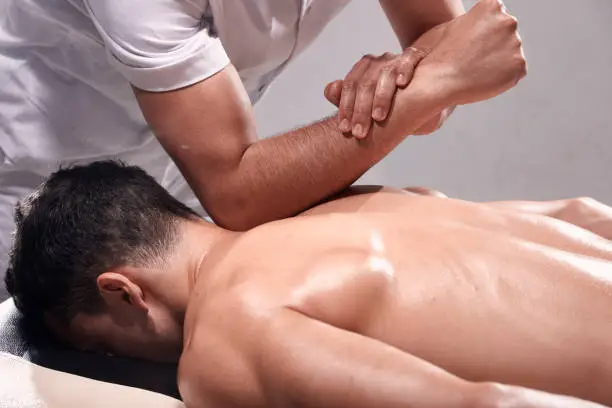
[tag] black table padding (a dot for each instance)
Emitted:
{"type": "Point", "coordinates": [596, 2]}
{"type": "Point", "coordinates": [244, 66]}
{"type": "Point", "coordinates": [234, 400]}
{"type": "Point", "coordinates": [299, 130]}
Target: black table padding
{"type": "Point", "coordinates": [34, 346]}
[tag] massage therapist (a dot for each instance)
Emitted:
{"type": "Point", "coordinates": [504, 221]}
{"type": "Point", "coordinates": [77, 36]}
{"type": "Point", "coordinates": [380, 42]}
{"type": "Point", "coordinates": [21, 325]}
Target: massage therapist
{"type": "Point", "coordinates": [169, 85]}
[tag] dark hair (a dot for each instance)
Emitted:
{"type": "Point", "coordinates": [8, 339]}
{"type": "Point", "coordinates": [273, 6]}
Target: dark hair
{"type": "Point", "coordinates": [83, 221]}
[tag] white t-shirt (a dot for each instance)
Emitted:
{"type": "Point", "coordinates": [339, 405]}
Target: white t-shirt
{"type": "Point", "coordinates": [66, 68]}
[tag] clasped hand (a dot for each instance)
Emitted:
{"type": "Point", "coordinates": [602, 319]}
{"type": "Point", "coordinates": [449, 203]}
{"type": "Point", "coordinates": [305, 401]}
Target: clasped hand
{"type": "Point", "coordinates": [472, 58]}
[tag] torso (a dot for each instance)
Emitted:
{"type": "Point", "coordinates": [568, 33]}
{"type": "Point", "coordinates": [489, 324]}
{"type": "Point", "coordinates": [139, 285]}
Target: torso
{"type": "Point", "coordinates": [487, 295]}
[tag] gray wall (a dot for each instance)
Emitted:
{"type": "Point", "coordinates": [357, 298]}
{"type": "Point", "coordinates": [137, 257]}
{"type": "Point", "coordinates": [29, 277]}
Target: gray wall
{"type": "Point", "coordinates": [550, 137]}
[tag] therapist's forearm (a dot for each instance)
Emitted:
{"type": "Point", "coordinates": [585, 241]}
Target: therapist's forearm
{"type": "Point", "coordinates": [284, 175]}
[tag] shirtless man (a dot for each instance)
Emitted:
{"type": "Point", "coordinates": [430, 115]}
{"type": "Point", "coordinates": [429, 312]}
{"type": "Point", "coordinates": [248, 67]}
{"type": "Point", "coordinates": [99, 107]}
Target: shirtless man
{"type": "Point", "coordinates": [375, 299]}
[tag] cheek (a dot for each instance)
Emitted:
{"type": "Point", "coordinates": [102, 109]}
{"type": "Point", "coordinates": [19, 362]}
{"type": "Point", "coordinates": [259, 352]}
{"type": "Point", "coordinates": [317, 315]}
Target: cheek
{"type": "Point", "coordinates": [128, 342]}
{"type": "Point", "coordinates": [159, 338]}
{"type": "Point", "coordinates": [103, 335]}
{"type": "Point", "coordinates": [161, 344]}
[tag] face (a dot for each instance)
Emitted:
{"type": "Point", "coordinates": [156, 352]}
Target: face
{"type": "Point", "coordinates": [157, 337]}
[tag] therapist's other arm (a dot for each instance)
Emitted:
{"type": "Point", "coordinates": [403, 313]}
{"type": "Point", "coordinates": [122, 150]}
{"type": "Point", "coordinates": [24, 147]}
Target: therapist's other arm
{"type": "Point", "coordinates": [209, 129]}
{"type": "Point", "coordinates": [366, 93]}
{"type": "Point", "coordinates": [418, 25]}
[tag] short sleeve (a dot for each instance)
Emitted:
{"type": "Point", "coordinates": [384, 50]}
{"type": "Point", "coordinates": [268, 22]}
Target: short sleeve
{"type": "Point", "coordinates": [158, 45]}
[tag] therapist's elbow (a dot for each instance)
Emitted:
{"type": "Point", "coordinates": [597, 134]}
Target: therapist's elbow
{"type": "Point", "coordinates": [234, 212]}
{"type": "Point", "coordinates": [234, 221]}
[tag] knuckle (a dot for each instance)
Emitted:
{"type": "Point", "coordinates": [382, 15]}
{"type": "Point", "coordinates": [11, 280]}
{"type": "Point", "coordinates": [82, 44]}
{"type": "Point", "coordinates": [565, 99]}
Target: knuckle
{"type": "Point", "coordinates": [413, 53]}
{"type": "Point", "coordinates": [364, 61]}
{"type": "Point", "coordinates": [519, 75]}
{"type": "Point", "coordinates": [348, 85]}
{"type": "Point", "coordinates": [518, 40]}
{"type": "Point", "coordinates": [356, 66]}
{"type": "Point", "coordinates": [580, 204]}
{"type": "Point", "coordinates": [352, 76]}
{"type": "Point", "coordinates": [388, 56]}
{"type": "Point", "coordinates": [512, 22]}
{"type": "Point", "coordinates": [406, 65]}
{"type": "Point", "coordinates": [389, 69]}
{"type": "Point", "coordinates": [522, 66]}
{"type": "Point", "coordinates": [588, 201]}
{"type": "Point", "coordinates": [367, 85]}
{"type": "Point", "coordinates": [494, 5]}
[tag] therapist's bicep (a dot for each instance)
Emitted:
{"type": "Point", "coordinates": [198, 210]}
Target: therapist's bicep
{"type": "Point", "coordinates": [189, 93]}
{"type": "Point", "coordinates": [205, 128]}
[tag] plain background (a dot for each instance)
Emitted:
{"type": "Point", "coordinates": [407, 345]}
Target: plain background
{"type": "Point", "coordinates": [548, 138]}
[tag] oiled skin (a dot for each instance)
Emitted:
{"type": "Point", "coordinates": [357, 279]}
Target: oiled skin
{"type": "Point", "coordinates": [485, 292]}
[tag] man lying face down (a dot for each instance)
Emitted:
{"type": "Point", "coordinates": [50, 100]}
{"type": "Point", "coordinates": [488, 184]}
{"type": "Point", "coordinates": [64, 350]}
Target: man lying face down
{"type": "Point", "coordinates": [378, 299]}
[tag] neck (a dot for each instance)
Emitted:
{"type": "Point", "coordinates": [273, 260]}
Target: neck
{"type": "Point", "coordinates": [176, 283]}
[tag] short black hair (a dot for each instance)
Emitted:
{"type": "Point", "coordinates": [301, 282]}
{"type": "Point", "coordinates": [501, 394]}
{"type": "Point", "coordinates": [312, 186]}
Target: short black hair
{"type": "Point", "coordinates": [83, 221]}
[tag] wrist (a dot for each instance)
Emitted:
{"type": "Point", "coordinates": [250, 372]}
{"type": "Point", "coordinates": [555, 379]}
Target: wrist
{"type": "Point", "coordinates": [426, 96]}
{"type": "Point", "coordinates": [437, 84]}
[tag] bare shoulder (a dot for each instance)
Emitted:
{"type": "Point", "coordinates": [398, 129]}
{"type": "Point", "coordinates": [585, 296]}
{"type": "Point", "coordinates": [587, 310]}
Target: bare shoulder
{"type": "Point", "coordinates": [228, 345]}
{"type": "Point", "coordinates": [376, 199]}
{"type": "Point", "coordinates": [232, 330]}
{"type": "Point", "coordinates": [218, 366]}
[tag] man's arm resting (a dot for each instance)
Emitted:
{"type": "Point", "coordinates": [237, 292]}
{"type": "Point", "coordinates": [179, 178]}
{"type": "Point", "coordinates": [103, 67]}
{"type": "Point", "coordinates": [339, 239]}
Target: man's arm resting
{"type": "Point", "coordinates": [307, 363]}
{"type": "Point", "coordinates": [296, 361]}
{"type": "Point", "coordinates": [209, 131]}
{"type": "Point", "coordinates": [312, 364]}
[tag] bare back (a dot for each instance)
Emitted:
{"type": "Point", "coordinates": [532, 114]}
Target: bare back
{"type": "Point", "coordinates": [486, 294]}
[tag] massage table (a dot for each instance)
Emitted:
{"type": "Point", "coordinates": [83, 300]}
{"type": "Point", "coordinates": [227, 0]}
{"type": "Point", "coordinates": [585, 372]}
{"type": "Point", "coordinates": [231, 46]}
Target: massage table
{"type": "Point", "coordinates": [35, 372]}
{"type": "Point", "coordinates": [26, 385]}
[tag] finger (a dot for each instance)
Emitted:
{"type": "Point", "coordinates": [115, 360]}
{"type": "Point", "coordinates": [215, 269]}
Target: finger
{"type": "Point", "coordinates": [333, 92]}
{"type": "Point", "coordinates": [362, 115]}
{"type": "Point", "coordinates": [349, 94]}
{"type": "Point", "coordinates": [385, 92]}
{"type": "Point", "coordinates": [405, 71]}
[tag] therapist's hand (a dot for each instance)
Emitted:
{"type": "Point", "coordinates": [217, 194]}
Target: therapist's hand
{"type": "Point", "coordinates": [368, 91]}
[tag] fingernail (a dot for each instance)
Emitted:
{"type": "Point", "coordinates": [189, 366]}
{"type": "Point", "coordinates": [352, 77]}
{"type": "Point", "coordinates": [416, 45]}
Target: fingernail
{"type": "Point", "coordinates": [357, 130]}
{"type": "Point", "coordinates": [379, 114]}
{"type": "Point", "coordinates": [345, 126]}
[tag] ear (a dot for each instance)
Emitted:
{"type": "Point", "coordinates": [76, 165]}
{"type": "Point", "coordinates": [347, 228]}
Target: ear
{"type": "Point", "coordinates": [119, 291]}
